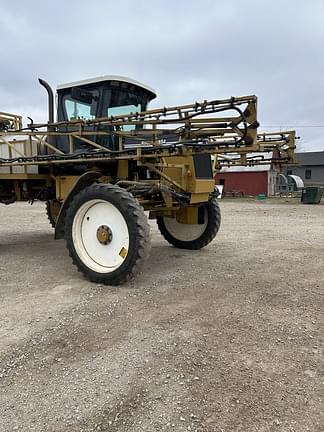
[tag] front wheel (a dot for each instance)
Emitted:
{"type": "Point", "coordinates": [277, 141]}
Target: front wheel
{"type": "Point", "coordinates": [192, 236]}
{"type": "Point", "coordinates": [107, 234]}
{"type": "Point", "coordinates": [52, 210]}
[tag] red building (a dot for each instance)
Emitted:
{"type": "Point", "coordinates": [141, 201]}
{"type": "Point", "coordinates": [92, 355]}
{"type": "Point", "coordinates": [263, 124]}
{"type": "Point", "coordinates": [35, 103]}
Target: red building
{"type": "Point", "coordinates": [240, 180]}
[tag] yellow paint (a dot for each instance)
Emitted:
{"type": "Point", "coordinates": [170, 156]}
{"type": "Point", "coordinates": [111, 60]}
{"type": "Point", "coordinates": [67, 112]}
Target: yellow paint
{"type": "Point", "coordinates": [123, 252]}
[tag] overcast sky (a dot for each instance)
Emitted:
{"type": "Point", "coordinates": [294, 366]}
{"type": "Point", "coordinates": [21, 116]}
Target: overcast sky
{"type": "Point", "coordinates": [186, 50]}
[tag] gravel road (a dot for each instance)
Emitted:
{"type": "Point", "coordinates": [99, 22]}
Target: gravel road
{"type": "Point", "coordinates": [229, 338]}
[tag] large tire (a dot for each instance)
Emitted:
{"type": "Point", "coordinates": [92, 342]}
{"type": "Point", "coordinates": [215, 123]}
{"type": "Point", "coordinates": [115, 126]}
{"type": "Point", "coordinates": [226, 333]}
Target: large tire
{"type": "Point", "coordinates": [107, 234]}
{"type": "Point", "coordinates": [52, 211]}
{"type": "Point", "coordinates": [192, 236]}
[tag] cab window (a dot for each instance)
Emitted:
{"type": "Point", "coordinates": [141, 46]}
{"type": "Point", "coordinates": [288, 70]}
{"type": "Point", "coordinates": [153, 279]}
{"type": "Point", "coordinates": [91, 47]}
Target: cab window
{"type": "Point", "coordinates": [78, 110]}
{"type": "Point", "coordinates": [123, 110]}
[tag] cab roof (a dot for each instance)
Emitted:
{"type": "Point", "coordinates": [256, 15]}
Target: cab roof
{"type": "Point", "coordinates": [106, 78]}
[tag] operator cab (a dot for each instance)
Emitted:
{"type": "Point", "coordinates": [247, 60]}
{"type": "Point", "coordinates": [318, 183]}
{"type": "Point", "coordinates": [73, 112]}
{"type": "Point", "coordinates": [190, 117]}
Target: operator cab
{"type": "Point", "coordinates": [100, 97]}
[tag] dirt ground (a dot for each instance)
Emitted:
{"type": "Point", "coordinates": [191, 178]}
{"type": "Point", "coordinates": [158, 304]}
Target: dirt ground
{"type": "Point", "coordinates": [229, 338]}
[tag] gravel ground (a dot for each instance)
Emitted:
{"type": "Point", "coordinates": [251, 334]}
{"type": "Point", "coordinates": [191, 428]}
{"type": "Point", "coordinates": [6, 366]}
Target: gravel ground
{"type": "Point", "coordinates": [229, 338]}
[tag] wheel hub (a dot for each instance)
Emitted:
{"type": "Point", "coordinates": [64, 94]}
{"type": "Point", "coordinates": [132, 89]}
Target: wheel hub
{"type": "Point", "coordinates": [104, 234]}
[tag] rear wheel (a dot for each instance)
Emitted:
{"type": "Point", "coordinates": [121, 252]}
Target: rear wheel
{"type": "Point", "coordinates": [192, 236]}
{"type": "Point", "coordinates": [107, 234]}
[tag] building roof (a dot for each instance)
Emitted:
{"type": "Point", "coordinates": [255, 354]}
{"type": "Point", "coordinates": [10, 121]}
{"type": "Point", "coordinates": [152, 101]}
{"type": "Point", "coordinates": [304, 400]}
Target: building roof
{"type": "Point", "coordinates": [255, 168]}
{"type": "Point", "coordinates": [310, 158]}
{"type": "Point", "coordinates": [106, 78]}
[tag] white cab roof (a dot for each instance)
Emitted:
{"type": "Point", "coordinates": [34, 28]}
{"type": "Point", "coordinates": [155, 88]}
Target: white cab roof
{"type": "Point", "coordinates": [106, 78]}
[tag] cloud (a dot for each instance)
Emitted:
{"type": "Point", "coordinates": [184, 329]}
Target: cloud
{"type": "Point", "coordinates": [186, 50]}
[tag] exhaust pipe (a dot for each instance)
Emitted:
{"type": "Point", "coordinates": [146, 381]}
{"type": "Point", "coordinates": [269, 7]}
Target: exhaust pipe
{"type": "Point", "coordinates": [50, 99]}
{"type": "Point", "coordinates": [51, 139]}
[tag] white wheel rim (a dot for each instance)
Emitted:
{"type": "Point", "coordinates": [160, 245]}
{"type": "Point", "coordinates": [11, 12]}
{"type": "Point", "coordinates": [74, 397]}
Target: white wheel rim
{"type": "Point", "coordinates": [185, 232]}
{"type": "Point", "coordinates": [99, 257]}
